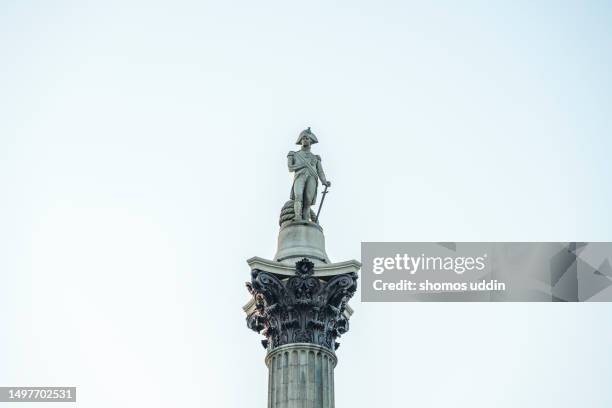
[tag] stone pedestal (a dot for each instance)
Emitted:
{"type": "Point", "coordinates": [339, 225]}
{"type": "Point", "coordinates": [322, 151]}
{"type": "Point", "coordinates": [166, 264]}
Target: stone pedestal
{"type": "Point", "coordinates": [301, 239]}
{"type": "Point", "coordinates": [301, 375]}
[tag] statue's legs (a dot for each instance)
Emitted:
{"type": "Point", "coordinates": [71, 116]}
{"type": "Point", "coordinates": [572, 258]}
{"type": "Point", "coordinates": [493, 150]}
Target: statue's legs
{"type": "Point", "coordinates": [298, 196]}
{"type": "Point", "coordinates": [310, 191]}
{"type": "Point", "coordinates": [297, 206]}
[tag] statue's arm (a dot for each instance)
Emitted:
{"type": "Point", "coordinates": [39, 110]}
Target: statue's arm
{"type": "Point", "coordinates": [321, 173]}
{"type": "Point", "coordinates": [291, 162]}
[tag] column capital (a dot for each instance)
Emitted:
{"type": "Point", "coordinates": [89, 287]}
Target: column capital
{"type": "Point", "coordinates": [302, 308]}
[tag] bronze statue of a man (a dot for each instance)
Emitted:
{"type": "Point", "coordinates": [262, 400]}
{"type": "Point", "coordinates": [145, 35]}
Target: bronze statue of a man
{"type": "Point", "coordinates": [308, 170]}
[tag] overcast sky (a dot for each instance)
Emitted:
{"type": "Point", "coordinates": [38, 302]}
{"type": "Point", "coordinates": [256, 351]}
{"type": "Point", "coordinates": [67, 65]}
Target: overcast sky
{"type": "Point", "coordinates": [143, 160]}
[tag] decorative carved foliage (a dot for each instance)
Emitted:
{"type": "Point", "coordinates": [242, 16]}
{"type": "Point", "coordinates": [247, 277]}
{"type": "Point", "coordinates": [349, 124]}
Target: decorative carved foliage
{"type": "Point", "coordinates": [300, 309]}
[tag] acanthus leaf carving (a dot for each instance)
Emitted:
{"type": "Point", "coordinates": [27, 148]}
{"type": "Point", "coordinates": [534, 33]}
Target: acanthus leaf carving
{"type": "Point", "coordinates": [301, 308]}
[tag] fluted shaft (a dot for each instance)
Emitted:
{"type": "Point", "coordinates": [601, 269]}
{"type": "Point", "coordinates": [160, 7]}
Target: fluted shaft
{"type": "Point", "coordinates": [301, 375]}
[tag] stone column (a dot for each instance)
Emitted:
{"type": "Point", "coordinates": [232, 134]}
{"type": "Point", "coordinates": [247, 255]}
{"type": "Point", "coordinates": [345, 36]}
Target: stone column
{"type": "Point", "coordinates": [301, 315]}
{"type": "Point", "coordinates": [301, 375]}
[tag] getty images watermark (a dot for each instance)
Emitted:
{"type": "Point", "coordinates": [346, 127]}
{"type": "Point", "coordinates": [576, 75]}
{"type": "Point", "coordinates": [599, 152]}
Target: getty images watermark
{"type": "Point", "coordinates": [485, 271]}
{"type": "Point", "coordinates": [430, 264]}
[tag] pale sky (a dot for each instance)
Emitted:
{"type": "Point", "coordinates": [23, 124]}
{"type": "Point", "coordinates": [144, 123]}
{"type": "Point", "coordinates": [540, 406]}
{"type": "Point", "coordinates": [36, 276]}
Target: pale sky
{"type": "Point", "coordinates": [143, 160]}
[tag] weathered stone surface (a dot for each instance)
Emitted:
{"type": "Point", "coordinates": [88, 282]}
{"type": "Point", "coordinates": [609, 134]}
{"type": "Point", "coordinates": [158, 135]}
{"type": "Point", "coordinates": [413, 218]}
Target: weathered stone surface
{"type": "Point", "coordinates": [307, 170]}
{"type": "Point", "coordinates": [297, 240]}
{"type": "Point", "coordinates": [321, 270]}
{"type": "Point", "coordinates": [287, 214]}
{"type": "Point", "coordinates": [301, 375]}
{"type": "Point", "coordinates": [300, 309]}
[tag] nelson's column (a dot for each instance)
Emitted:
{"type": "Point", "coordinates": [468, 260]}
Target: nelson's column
{"type": "Point", "coordinates": [299, 298]}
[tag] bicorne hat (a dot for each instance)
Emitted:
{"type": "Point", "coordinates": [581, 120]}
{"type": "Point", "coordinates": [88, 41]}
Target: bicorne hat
{"type": "Point", "coordinates": [308, 133]}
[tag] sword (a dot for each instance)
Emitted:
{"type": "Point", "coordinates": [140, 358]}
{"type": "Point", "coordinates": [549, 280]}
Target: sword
{"type": "Point", "coordinates": [321, 205]}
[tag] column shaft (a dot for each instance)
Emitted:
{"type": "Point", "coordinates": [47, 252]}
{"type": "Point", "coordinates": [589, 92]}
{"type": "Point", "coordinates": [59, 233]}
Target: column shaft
{"type": "Point", "coordinates": [301, 375]}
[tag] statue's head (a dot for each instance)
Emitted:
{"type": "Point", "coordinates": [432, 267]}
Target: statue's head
{"type": "Point", "coordinates": [306, 138]}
